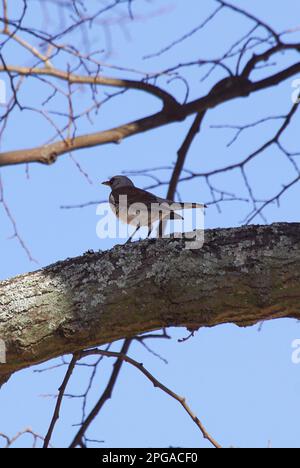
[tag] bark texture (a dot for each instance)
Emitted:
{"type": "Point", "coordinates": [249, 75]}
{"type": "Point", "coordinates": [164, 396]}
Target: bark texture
{"type": "Point", "coordinates": [240, 276]}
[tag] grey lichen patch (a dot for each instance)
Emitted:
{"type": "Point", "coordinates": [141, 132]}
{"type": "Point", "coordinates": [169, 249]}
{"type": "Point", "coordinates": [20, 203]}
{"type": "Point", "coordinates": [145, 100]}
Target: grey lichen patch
{"type": "Point", "coordinates": [126, 266]}
{"type": "Point", "coordinates": [158, 271]}
{"type": "Point", "coordinates": [239, 276]}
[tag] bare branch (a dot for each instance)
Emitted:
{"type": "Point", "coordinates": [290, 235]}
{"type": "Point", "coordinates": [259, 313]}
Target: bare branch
{"type": "Point", "coordinates": [157, 384]}
{"type": "Point", "coordinates": [105, 396]}
{"type": "Point", "coordinates": [11, 441]}
{"type": "Point", "coordinates": [187, 35]}
{"type": "Point", "coordinates": [167, 99]}
{"type": "Point", "coordinates": [62, 390]}
{"type": "Point", "coordinates": [250, 17]}
{"type": "Point", "coordinates": [224, 91]}
{"type": "Point", "coordinates": [182, 154]}
{"type": "Point", "coordinates": [16, 234]}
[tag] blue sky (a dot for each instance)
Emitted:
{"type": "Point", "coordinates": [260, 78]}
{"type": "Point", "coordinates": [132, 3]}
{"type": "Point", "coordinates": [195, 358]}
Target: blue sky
{"type": "Point", "coordinates": [240, 382]}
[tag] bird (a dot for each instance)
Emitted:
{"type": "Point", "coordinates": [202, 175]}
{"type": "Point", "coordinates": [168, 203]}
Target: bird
{"type": "Point", "coordinates": [139, 208]}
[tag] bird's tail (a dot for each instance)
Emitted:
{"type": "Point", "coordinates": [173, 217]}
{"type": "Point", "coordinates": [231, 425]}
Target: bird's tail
{"type": "Point", "coordinates": [187, 206]}
{"type": "Point", "coordinates": [174, 216]}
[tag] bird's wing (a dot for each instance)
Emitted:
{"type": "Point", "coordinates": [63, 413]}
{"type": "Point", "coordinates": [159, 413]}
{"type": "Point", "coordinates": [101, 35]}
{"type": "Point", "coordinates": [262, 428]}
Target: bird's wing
{"type": "Point", "coordinates": [134, 195]}
{"type": "Point", "coordinates": [137, 195]}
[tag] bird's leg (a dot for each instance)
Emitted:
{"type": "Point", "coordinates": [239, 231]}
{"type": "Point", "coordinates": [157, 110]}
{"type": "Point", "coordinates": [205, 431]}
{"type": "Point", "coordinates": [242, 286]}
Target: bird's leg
{"type": "Point", "coordinates": [149, 231]}
{"type": "Point", "coordinates": [132, 235]}
{"type": "Point", "coordinates": [160, 226]}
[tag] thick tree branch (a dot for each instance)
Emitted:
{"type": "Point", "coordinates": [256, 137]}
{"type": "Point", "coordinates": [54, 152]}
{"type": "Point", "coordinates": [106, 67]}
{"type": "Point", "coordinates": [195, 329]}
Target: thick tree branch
{"type": "Point", "coordinates": [226, 90]}
{"type": "Point", "coordinates": [240, 276]}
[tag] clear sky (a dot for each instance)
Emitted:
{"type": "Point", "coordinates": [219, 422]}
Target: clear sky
{"type": "Point", "coordinates": [240, 382]}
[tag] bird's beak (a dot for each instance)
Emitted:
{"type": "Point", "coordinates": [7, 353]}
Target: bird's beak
{"type": "Point", "coordinates": [107, 182]}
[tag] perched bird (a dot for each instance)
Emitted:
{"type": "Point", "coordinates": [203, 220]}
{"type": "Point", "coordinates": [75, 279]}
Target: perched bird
{"type": "Point", "coordinates": [139, 208]}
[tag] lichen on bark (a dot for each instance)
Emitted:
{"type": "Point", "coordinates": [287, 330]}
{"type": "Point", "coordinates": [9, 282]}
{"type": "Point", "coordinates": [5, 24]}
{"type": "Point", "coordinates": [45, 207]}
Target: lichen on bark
{"type": "Point", "coordinates": [241, 275]}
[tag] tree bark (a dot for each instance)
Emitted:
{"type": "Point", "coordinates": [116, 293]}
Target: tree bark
{"type": "Point", "coordinates": [241, 276]}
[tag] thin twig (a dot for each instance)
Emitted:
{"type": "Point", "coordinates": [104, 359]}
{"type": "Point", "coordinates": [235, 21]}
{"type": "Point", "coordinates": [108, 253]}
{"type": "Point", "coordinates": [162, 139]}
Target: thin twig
{"type": "Point", "coordinates": [62, 390]}
{"type": "Point", "coordinates": [123, 357]}
{"type": "Point", "coordinates": [106, 395]}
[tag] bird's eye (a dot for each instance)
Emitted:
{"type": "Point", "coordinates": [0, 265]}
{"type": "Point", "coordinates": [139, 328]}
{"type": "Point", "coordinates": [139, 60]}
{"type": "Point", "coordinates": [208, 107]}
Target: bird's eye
{"type": "Point", "coordinates": [112, 180]}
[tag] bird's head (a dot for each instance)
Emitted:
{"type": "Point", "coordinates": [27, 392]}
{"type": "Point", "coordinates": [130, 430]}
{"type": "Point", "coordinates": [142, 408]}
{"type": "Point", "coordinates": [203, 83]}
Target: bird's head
{"type": "Point", "coordinates": [118, 182]}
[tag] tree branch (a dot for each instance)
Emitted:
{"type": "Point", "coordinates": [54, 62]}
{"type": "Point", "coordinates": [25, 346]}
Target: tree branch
{"type": "Point", "coordinates": [168, 99]}
{"type": "Point", "coordinates": [62, 390]}
{"type": "Point", "coordinates": [182, 154]}
{"type": "Point", "coordinates": [240, 276]}
{"type": "Point", "coordinates": [250, 66]}
{"type": "Point", "coordinates": [224, 91]}
{"type": "Point", "coordinates": [106, 395]}
{"type": "Point", "coordinates": [124, 358]}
